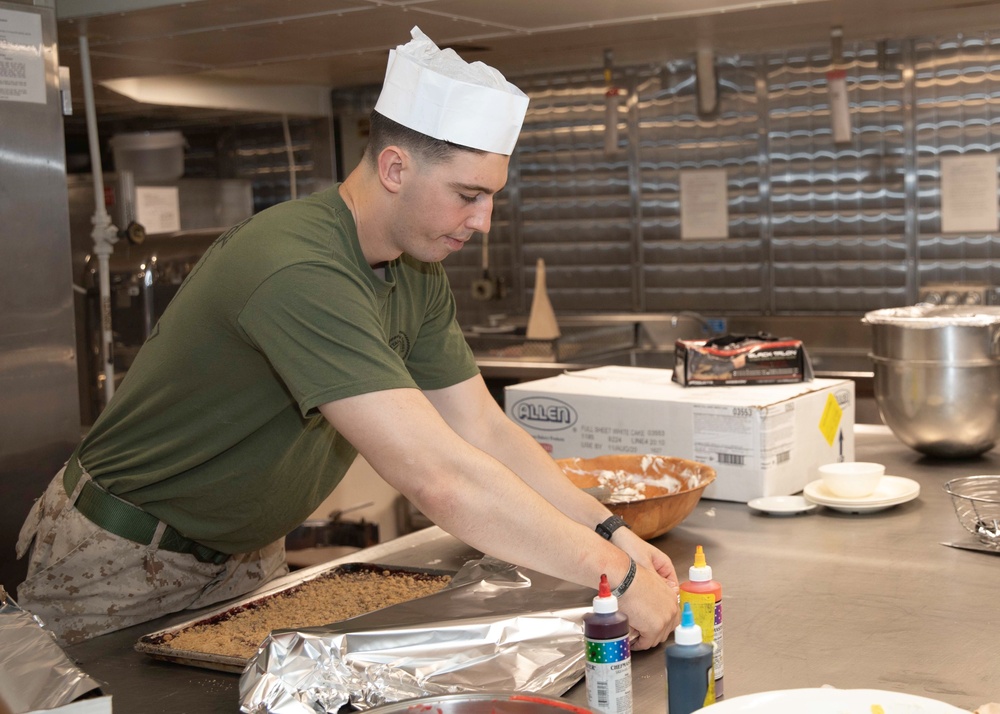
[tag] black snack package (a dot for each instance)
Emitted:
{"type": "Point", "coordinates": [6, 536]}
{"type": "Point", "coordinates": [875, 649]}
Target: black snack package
{"type": "Point", "coordinates": [741, 359]}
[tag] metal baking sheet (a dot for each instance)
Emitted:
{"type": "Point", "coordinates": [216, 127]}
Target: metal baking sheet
{"type": "Point", "coordinates": [154, 646]}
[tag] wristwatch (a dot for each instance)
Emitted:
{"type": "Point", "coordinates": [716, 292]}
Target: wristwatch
{"type": "Point", "coordinates": [609, 526]}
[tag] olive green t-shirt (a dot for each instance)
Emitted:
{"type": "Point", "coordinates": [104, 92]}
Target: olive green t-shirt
{"type": "Point", "coordinates": [215, 428]}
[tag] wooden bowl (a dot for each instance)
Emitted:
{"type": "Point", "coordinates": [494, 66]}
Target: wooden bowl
{"type": "Point", "coordinates": [673, 487]}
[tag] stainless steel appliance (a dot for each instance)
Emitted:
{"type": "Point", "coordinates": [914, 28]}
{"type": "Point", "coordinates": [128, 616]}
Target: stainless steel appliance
{"type": "Point", "coordinates": [144, 274]}
{"type": "Point", "coordinates": [39, 414]}
{"type": "Point", "coordinates": [959, 294]}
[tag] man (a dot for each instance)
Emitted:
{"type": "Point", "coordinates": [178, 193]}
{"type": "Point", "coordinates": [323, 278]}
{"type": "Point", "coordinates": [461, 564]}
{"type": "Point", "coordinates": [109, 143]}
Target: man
{"type": "Point", "coordinates": [316, 330]}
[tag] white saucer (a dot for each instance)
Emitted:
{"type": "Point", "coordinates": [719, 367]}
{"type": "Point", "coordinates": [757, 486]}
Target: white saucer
{"type": "Point", "coordinates": [827, 700]}
{"type": "Point", "coordinates": [891, 491]}
{"type": "Point", "coordinates": [781, 505]}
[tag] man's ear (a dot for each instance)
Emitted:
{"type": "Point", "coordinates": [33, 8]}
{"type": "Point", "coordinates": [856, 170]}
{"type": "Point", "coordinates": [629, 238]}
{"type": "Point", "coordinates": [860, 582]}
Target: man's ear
{"type": "Point", "coordinates": [392, 162]}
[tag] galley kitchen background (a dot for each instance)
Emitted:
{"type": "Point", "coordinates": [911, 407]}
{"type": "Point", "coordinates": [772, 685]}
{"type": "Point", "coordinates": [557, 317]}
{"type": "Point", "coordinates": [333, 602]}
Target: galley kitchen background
{"type": "Point", "coordinates": [815, 228]}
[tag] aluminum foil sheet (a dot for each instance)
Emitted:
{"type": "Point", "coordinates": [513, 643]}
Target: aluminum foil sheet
{"type": "Point", "coordinates": [495, 628]}
{"type": "Point", "coordinates": [926, 315]}
{"type": "Point", "coordinates": [35, 673]}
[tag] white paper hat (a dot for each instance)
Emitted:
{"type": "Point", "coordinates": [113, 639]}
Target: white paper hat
{"type": "Point", "coordinates": [439, 94]}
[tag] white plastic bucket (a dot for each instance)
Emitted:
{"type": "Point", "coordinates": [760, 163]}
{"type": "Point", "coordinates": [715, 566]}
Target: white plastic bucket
{"type": "Point", "coordinates": [150, 155]}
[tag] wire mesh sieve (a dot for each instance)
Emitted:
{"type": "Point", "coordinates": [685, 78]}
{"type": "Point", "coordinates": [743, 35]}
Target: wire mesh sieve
{"type": "Point", "coordinates": [977, 503]}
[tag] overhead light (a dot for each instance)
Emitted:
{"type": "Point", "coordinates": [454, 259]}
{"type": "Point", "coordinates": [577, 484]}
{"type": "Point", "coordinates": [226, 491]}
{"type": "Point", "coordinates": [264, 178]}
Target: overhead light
{"type": "Point", "coordinates": [191, 90]}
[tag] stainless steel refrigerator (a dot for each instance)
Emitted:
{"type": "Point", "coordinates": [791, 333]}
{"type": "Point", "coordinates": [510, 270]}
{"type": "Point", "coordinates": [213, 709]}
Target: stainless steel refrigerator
{"type": "Point", "coordinates": [39, 404]}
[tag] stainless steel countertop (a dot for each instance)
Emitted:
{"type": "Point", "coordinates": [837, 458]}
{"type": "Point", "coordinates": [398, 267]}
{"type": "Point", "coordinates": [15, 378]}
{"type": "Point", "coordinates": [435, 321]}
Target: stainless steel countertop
{"type": "Point", "coordinates": [837, 344]}
{"type": "Point", "coordinates": [827, 364]}
{"type": "Point", "coordinates": [853, 601]}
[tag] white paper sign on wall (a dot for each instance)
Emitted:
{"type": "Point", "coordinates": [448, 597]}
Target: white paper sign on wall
{"type": "Point", "coordinates": [969, 194]}
{"type": "Point", "coordinates": [158, 208]}
{"type": "Point", "coordinates": [704, 203]}
{"type": "Point", "coordinates": [22, 57]}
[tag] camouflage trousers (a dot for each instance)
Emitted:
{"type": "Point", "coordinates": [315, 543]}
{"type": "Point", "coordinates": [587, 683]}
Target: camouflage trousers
{"type": "Point", "coordinates": [84, 581]}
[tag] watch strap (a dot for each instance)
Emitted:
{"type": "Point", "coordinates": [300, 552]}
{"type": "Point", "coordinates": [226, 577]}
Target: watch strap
{"type": "Point", "coordinates": [606, 528]}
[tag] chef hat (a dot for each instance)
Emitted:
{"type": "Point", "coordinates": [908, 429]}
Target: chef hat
{"type": "Point", "coordinates": [437, 93]}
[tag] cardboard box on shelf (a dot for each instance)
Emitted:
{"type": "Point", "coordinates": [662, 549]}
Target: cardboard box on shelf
{"type": "Point", "coordinates": [761, 440]}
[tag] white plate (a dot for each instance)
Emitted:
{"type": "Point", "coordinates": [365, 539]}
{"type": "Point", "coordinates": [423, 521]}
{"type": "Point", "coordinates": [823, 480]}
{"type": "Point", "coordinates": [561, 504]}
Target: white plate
{"type": "Point", "coordinates": [891, 491]}
{"type": "Point", "coordinates": [781, 505]}
{"type": "Point", "coordinates": [890, 488]}
{"type": "Point", "coordinates": [826, 700]}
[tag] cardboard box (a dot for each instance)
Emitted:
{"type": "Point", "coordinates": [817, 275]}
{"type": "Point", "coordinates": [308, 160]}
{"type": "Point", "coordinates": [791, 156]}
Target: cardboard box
{"type": "Point", "coordinates": [761, 440]}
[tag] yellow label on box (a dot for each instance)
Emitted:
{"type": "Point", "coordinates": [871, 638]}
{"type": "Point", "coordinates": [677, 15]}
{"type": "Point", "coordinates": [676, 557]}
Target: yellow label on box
{"type": "Point", "coordinates": [829, 421]}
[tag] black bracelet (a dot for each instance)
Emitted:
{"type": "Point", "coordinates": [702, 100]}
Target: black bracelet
{"type": "Point", "coordinates": [609, 526]}
{"type": "Point", "coordinates": [629, 577]}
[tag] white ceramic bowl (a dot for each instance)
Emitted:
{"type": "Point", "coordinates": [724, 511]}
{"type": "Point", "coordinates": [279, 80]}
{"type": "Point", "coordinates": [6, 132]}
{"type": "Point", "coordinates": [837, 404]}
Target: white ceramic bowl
{"type": "Point", "coordinates": [851, 479]}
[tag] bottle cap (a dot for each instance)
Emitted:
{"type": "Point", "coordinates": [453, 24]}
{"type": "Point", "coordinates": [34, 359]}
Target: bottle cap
{"type": "Point", "coordinates": [687, 633]}
{"type": "Point", "coordinates": [605, 602]}
{"type": "Point", "coordinates": [700, 571]}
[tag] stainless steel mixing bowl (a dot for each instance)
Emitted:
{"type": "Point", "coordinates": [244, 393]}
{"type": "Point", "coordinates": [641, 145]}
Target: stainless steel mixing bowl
{"type": "Point", "coordinates": [937, 376]}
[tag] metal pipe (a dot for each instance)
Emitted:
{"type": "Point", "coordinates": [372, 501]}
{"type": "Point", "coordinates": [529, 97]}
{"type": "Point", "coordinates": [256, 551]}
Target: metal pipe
{"type": "Point", "coordinates": [611, 97]}
{"type": "Point", "coordinates": [293, 186]}
{"type": "Point", "coordinates": [104, 233]}
{"type": "Point", "coordinates": [148, 298]}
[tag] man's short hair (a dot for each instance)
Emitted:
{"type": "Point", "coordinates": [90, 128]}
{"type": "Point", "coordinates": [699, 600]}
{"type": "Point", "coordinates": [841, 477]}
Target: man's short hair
{"type": "Point", "coordinates": [385, 132]}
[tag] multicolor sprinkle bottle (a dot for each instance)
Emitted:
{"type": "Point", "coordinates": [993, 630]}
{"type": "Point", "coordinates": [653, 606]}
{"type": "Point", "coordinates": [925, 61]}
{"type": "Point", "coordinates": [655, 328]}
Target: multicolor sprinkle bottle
{"type": "Point", "coordinates": [705, 596]}
{"type": "Point", "coordinates": [609, 663]}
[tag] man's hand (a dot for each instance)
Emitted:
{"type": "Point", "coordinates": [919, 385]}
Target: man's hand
{"type": "Point", "coordinates": [653, 627]}
{"type": "Point", "coordinates": [651, 606]}
{"type": "Point", "coordinates": [646, 555]}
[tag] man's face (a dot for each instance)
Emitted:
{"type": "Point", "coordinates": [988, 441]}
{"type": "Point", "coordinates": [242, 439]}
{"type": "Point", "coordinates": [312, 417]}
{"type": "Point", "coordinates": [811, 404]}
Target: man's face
{"type": "Point", "coordinates": [444, 203]}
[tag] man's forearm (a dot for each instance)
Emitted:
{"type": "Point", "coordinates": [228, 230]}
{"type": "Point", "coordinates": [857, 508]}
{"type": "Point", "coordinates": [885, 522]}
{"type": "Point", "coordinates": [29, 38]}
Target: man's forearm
{"type": "Point", "coordinates": [519, 452]}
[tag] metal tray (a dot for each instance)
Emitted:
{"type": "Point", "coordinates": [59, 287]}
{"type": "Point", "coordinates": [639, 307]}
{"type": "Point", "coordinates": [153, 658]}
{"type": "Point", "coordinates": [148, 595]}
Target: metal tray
{"type": "Point", "coordinates": [154, 646]}
{"type": "Point", "coordinates": [575, 343]}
